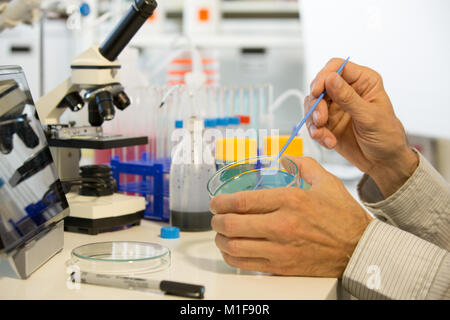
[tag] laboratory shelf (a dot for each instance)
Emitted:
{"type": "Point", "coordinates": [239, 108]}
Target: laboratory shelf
{"type": "Point", "coordinates": [224, 40]}
{"type": "Point", "coordinates": [250, 6]}
{"type": "Point", "coordinates": [264, 8]}
{"type": "Point", "coordinates": [259, 6]}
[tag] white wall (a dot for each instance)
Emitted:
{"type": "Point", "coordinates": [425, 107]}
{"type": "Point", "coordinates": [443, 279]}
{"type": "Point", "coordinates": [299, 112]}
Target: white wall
{"type": "Point", "coordinates": [407, 41]}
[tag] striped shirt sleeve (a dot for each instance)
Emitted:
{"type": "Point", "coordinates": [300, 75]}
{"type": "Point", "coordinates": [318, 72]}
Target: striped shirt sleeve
{"type": "Point", "coordinates": [403, 254]}
{"type": "Point", "coordinates": [421, 206]}
{"type": "Point", "coordinates": [389, 263]}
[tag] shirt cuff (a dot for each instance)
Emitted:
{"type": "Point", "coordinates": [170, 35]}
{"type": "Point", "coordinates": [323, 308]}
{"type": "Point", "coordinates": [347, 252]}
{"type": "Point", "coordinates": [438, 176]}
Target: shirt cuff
{"type": "Point", "coordinates": [389, 263]}
{"type": "Point", "coordinates": [419, 206]}
{"type": "Point", "coordinates": [440, 288]}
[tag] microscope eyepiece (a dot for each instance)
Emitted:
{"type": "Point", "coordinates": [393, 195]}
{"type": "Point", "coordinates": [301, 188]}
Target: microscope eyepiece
{"type": "Point", "coordinates": [139, 12]}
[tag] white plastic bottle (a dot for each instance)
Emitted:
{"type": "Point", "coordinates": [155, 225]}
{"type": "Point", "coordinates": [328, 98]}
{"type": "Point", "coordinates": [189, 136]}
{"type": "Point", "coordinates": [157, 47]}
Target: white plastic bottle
{"type": "Point", "coordinates": [189, 174]}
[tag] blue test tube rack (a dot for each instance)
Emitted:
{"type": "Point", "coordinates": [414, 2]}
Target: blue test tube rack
{"type": "Point", "coordinates": [152, 182]}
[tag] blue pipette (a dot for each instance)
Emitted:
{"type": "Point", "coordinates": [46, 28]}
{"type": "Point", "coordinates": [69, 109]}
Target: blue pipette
{"type": "Point", "coordinates": [300, 125]}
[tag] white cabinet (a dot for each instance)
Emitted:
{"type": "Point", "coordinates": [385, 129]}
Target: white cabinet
{"type": "Point", "coordinates": [20, 46]}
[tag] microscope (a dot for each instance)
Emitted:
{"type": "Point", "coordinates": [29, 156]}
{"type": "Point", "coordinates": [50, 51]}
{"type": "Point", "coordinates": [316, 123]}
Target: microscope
{"type": "Point", "coordinates": [94, 82]}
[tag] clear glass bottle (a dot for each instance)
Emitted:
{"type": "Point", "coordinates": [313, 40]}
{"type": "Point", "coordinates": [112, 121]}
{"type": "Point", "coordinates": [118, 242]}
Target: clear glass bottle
{"type": "Point", "coordinates": [189, 175]}
{"type": "Point", "coordinates": [210, 136]}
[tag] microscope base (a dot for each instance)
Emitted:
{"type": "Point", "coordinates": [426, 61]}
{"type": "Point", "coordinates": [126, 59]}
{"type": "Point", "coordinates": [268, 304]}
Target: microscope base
{"type": "Point", "coordinates": [92, 215]}
{"type": "Point", "coordinates": [96, 226]}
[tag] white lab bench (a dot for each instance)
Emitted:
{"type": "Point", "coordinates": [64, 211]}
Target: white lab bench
{"type": "Point", "coordinates": [194, 259]}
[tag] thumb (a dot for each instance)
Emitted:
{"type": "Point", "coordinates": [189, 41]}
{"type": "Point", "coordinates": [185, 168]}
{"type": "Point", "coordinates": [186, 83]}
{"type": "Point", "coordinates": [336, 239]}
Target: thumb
{"type": "Point", "coordinates": [308, 169]}
{"type": "Point", "coordinates": [344, 95]}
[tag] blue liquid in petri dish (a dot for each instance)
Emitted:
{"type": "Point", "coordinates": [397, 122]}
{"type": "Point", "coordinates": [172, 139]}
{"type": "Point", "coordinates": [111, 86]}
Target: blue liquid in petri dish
{"type": "Point", "coordinates": [273, 178]}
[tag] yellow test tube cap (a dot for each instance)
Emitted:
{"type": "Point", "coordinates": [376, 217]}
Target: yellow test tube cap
{"type": "Point", "coordinates": [235, 149]}
{"type": "Point", "coordinates": [273, 145]}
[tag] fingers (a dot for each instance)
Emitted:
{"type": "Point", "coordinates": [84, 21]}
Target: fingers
{"type": "Point", "coordinates": [310, 170]}
{"type": "Point", "coordinates": [245, 263]}
{"type": "Point", "coordinates": [245, 247]}
{"type": "Point", "coordinates": [257, 201]}
{"type": "Point", "coordinates": [351, 73]}
{"type": "Point", "coordinates": [238, 225]}
{"type": "Point", "coordinates": [317, 121]}
{"type": "Point", "coordinates": [341, 88]}
{"type": "Point", "coordinates": [320, 115]}
{"type": "Point", "coordinates": [323, 135]}
{"type": "Point", "coordinates": [345, 96]}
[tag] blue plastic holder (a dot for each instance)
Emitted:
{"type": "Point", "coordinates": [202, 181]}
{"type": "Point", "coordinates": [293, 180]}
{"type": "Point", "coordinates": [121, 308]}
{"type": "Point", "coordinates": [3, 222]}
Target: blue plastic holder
{"type": "Point", "coordinates": [153, 183]}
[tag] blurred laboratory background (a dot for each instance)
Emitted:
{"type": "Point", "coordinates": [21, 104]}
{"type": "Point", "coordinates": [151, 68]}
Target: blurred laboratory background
{"type": "Point", "coordinates": [118, 85]}
{"type": "Point", "coordinates": [258, 57]}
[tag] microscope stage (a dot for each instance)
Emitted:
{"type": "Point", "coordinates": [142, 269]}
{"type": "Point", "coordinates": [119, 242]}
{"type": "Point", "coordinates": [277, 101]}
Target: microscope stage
{"type": "Point", "coordinates": [105, 142]}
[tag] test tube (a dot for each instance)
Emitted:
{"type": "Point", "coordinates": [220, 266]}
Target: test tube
{"type": "Point", "coordinates": [232, 102]}
{"type": "Point", "coordinates": [241, 100]}
{"type": "Point", "coordinates": [251, 103]}
{"type": "Point", "coordinates": [222, 103]}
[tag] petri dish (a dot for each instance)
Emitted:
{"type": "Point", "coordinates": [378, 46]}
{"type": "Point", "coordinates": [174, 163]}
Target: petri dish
{"type": "Point", "coordinates": [254, 174]}
{"type": "Point", "coordinates": [121, 257]}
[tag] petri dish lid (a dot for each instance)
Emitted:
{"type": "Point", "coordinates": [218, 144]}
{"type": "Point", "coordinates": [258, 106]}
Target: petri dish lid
{"type": "Point", "coordinates": [121, 257]}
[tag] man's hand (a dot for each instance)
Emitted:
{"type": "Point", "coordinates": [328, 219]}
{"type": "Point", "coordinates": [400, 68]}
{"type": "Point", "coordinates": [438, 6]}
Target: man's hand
{"type": "Point", "coordinates": [357, 119]}
{"type": "Point", "coordinates": [289, 231]}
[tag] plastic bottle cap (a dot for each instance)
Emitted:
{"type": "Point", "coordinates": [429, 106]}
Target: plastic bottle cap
{"type": "Point", "coordinates": [170, 233]}
{"type": "Point", "coordinates": [178, 124]}
{"type": "Point", "coordinates": [236, 149]}
{"type": "Point", "coordinates": [244, 119]}
{"type": "Point", "coordinates": [1, 182]}
{"type": "Point", "coordinates": [234, 121]}
{"type": "Point", "coordinates": [85, 9]}
{"type": "Point", "coordinates": [273, 145]}
{"type": "Point", "coordinates": [210, 123]}
{"type": "Point", "coordinates": [222, 121]}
